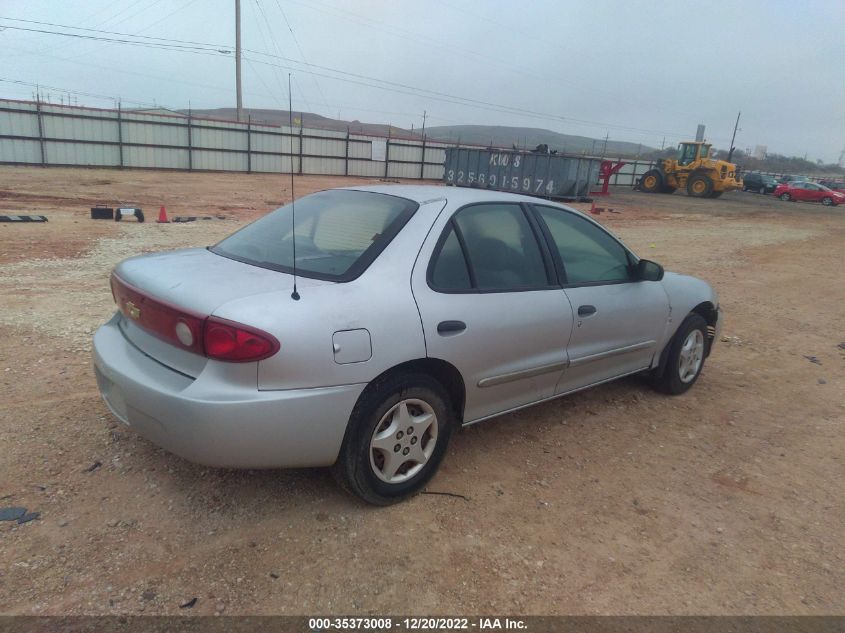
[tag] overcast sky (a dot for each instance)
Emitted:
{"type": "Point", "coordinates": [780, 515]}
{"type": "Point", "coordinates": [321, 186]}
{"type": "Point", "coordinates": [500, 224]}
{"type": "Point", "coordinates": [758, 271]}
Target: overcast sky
{"type": "Point", "coordinates": [638, 71]}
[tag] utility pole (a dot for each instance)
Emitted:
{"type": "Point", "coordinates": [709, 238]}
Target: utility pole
{"type": "Point", "coordinates": [423, 127]}
{"type": "Point", "coordinates": [238, 59]}
{"type": "Point", "coordinates": [733, 138]}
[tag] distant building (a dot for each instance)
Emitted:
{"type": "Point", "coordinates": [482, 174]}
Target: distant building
{"type": "Point", "coordinates": [760, 152]}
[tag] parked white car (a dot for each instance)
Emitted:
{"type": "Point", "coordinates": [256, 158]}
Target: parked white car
{"type": "Point", "coordinates": [419, 309]}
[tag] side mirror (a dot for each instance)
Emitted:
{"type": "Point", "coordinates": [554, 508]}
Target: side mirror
{"type": "Point", "coordinates": [649, 271]}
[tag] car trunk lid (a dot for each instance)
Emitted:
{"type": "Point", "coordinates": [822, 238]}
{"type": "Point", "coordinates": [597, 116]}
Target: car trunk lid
{"type": "Point", "coordinates": [155, 292]}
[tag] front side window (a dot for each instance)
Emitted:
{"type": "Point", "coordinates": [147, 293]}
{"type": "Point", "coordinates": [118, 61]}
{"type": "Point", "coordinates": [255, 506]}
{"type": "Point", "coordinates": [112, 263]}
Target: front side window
{"type": "Point", "coordinates": [589, 254]}
{"type": "Point", "coordinates": [338, 234]}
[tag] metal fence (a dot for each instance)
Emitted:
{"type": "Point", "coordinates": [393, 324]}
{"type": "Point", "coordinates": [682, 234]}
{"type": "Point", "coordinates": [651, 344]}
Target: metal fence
{"type": "Point", "coordinates": [49, 134]}
{"type": "Point", "coordinates": [33, 133]}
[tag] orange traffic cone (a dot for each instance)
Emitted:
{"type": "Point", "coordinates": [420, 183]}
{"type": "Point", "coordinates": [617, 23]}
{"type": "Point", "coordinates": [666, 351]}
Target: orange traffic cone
{"type": "Point", "coordinates": [592, 208]}
{"type": "Point", "coordinates": [162, 216]}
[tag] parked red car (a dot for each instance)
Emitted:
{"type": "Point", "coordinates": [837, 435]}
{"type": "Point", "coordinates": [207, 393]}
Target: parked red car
{"type": "Point", "coordinates": [809, 192]}
{"type": "Point", "coordinates": [836, 185]}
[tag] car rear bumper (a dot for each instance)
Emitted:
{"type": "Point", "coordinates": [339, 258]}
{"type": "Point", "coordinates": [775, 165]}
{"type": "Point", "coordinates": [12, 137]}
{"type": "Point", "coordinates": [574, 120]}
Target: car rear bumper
{"type": "Point", "coordinates": [220, 418]}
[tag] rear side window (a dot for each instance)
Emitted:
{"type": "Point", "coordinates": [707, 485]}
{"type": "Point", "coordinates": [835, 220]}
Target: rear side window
{"type": "Point", "coordinates": [449, 271]}
{"type": "Point", "coordinates": [498, 248]}
{"type": "Point", "coordinates": [589, 254]}
{"type": "Point", "coordinates": [338, 234]}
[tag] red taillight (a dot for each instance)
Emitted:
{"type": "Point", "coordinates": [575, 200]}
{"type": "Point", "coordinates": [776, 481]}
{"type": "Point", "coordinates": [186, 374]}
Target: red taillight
{"type": "Point", "coordinates": [209, 336]}
{"type": "Point", "coordinates": [233, 342]}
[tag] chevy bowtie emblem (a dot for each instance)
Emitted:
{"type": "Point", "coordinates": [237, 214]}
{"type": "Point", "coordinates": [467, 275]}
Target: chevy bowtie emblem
{"type": "Point", "coordinates": [133, 310]}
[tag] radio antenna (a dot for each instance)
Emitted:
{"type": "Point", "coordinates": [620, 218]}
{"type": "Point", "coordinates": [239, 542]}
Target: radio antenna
{"type": "Point", "coordinates": [294, 295]}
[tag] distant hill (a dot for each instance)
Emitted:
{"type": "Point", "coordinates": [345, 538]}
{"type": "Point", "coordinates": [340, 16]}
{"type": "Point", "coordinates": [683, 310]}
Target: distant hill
{"type": "Point", "coordinates": [280, 117]}
{"type": "Point", "coordinates": [496, 135]}
{"type": "Point", "coordinates": [505, 136]}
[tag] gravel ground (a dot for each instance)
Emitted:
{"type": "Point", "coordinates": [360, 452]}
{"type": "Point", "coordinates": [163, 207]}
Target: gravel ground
{"type": "Point", "coordinates": [616, 500]}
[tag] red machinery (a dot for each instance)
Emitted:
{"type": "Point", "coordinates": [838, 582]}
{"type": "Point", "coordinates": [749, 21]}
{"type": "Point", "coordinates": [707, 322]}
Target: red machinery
{"type": "Point", "coordinates": [607, 169]}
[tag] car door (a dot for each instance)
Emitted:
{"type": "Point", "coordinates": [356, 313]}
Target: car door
{"type": "Point", "coordinates": [814, 193]}
{"type": "Point", "coordinates": [490, 305]}
{"type": "Point", "coordinates": [618, 319]}
{"type": "Point", "coordinates": [800, 192]}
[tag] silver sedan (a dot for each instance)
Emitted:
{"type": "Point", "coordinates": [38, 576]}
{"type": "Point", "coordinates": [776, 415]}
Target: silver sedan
{"type": "Point", "coordinates": [411, 311]}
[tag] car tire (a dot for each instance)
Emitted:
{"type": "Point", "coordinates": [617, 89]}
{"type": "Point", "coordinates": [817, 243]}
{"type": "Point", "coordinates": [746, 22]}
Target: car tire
{"type": "Point", "coordinates": [827, 201]}
{"type": "Point", "coordinates": [685, 359]}
{"type": "Point", "coordinates": [652, 181]}
{"type": "Point", "coordinates": [785, 197]}
{"type": "Point", "coordinates": [762, 191]}
{"type": "Point", "coordinates": [700, 186]}
{"type": "Point", "coordinates": [365, 469]}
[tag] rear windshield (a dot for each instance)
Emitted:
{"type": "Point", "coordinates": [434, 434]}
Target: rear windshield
{"type": "Point", "coordinates": [338, 234]}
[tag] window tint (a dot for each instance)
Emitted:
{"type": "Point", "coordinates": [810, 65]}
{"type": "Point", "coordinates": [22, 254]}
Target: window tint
{"type": "Point", "coordinates": [338, 234]}
{"type": "Point", "coordinates": [589, 254]}
{"type": "Point", "coordinates": [501, 247]}
{"type": "Point", "coordinates": [449, 271]}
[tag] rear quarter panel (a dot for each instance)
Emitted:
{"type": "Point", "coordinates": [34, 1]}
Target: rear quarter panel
{"type": "Point", "coordinates": [379, 301]}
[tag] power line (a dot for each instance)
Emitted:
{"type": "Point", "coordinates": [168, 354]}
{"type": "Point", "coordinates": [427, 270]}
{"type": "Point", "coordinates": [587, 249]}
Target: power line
{"type": "Point", "coordinates": [146, 37]}
{"type": "Point", "coordinates": [159, 45]}
{"type": "Point", "coordinates": [349, 77]}
{"type": "Point", "coordinates": [299, 48]}
{"type": "Point", "coordinates": [275, 71]}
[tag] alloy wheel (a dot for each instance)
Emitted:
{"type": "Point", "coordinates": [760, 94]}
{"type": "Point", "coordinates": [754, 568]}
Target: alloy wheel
{"type": "Point", "coordinates": [691, 356]}
{"type": "Point", "coordinates": [403, 441]}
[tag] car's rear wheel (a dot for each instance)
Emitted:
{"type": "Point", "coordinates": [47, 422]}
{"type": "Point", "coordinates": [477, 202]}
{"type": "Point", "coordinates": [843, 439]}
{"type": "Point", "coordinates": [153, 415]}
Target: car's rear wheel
{"type": "Point", "coordinates": [785, 197]}
{"type": "Point", "coordinates": [685, 359]}
{"type": "Point", "coordinates": [396, 439]}
{"type": "Point", "coordinates": [827, 201]}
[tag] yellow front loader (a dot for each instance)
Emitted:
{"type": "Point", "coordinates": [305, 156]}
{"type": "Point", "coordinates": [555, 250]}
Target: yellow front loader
{"type": "Point", "coordinates": [693, 170]}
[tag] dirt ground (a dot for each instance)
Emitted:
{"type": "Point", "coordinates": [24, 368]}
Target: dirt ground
{"type": "Point", "coordinates": [726, 500]}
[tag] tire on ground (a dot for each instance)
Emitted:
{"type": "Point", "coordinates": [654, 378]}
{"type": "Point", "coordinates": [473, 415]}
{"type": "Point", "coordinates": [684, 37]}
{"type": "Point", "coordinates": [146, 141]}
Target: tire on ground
{"type": "Point", "coordinates": [652, 181]}
{"type": "Point", "coordinates": [699, 185]}
{"type": "Point", "coordinates": [667, 378]}
{"type": "Point", "coordinates": [354, 467]}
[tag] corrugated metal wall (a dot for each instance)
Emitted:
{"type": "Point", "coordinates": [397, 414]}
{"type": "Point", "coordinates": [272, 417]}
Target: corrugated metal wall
{"type": "Point", "coordinates": [50, 134]}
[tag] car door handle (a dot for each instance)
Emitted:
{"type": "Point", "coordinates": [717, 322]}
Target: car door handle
{"type": "Point", "coordinates": [586, 310]}
{"type": "Point", "coordinates": [451, 327]}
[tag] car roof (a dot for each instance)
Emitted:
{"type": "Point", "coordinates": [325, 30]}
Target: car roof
{"type": "Point", "coordinates": [455, 195]}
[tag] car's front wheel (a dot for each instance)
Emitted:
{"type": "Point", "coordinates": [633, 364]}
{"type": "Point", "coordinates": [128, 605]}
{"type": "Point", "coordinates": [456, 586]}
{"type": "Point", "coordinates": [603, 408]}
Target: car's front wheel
{"type": "Point", "coordinates": [397, 436]}
{"type": "Point", "coordinates": [685, 359]}
{"type": "Point", "coordinates": [827, 201]}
